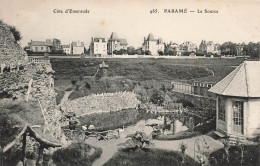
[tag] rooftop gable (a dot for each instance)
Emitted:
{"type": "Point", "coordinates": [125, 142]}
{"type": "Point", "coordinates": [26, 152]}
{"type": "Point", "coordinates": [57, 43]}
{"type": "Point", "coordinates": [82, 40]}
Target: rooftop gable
{"type": "Point", "coordinates": [241, 82]}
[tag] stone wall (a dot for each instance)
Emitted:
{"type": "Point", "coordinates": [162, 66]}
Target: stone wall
{"type": "Point", "coordinates": [11, 52]}
{"type": "Point", "coordinates": [28, 80]}
{"type": "Point", "coordinates": [98, 103]}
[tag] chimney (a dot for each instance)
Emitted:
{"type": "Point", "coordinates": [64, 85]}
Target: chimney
{"type": "Point", "coordinates": [92, 40]}
{"type": "Point", "coordinates": [144, 39]}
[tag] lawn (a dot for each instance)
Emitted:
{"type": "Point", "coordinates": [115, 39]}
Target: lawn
{"type": "Point", "coordinates": [151, 157]}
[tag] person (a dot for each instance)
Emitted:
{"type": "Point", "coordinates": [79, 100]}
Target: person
{"type": "Point", "coordinates": [72, 123]}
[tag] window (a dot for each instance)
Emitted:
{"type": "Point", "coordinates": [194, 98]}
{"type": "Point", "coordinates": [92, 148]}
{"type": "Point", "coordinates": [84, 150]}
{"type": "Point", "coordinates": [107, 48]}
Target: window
{"type": "Point", "coordinates": [41, 48]}
{"type": "Point", "coordinates": [237, 112]}
{"type": "Point", "coordinates": [221, 109]}
{"type": "Point", "coordinates": [36, 48]}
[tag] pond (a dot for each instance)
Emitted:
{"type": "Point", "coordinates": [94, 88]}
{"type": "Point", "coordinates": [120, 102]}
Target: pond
{"type": "Point", "coordinates": [174, 126]}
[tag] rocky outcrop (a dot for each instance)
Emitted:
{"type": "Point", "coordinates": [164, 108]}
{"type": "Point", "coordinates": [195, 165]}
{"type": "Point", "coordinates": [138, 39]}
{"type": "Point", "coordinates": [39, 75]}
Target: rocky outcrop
{"type": "Point", "coordinates": [11, 53]}
{"type": "Point", "coordinates": [26, 79]}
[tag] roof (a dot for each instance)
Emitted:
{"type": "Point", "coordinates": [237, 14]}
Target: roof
{"type": "Point", "coordinates": [77, 44]}
{"type": "Point", "coordinates": [123, 42]}
{"type": "Point", "coordinates": [103, 65]}
{"type": "Point", "coordinates": [65, 46]}
{"type": "Point", "coordinates": [40, 43]}
{"type": "Point", "coordinates": [242, 82]}
{"type": "Point", "coordinates": [150, 37]}
{"type": "Point", "coordinates": [96, 39]}
{"type": "Point", "coordinates": [113, 36]}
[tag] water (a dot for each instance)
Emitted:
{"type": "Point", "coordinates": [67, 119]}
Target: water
{"type": "Point", "coordinates": [141, 126]}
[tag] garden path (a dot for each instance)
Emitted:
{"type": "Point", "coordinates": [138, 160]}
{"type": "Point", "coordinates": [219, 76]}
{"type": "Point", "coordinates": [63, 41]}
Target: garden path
{"type": "Point", "coordinates": [110, 147]}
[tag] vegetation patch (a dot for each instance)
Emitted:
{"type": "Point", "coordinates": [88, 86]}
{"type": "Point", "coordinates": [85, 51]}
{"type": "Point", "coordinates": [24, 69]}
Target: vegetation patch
{"type": "Point", "coordinates": [250, 156]}
{"type": "Point", "coordinates": [76, 154]}
{"type": "Point", "coordinates": [85, 86]}
{"type": "Point", "coordinates": [13, 116]}
{"type": "Point", "coordinates": [178, 136]}
{"type": "Point", "coordinates": [114, 120]}
{"type": "Point", "coordinates": [151, 157]}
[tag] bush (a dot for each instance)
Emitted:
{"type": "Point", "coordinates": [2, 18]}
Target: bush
{"type": "Point", "coordinates": [250, 156]}
{"type": "Point", "coordinates": [151, 157]}
{"type": "Point", "coordinates": [77, 154]}
{"type": "Point", "coordinates": [16, 33]}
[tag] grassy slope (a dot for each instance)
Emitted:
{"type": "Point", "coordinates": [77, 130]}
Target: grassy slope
{"type": "Point", "coordinates": [14, 115]}
{"type": "Point", "coordinates": [144, 69]}
{"type": "Point", "coordinates": [137, 70]}
{"type": "Point", "coordinates": [151, 157]}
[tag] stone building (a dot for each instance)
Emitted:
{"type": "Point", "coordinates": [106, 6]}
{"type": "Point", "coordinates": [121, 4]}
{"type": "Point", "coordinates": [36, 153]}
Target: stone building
{"type": "Point", "coordinates": [98, 47]}
{"type": "Point", "coordinates": [116, 44]}
{"type": "Point", "coordinates": [239, 50]}
{"type": "Point", "coordinates": [238, 101]}
{"type": "Point", "coordinates": [50, 45]}
{"type": "Point", "coordinates": [173, 49]}
{"type": "Point", "coordinates": [40, 46]}
{"type": "Point", "coordinates": [77, 48]}
{"type": "Point", "coordinates": [188, 47]}
{"type": "Point", "coordinates": [153, 45]}
{"type": "Point", "coordinates": [209, 47]}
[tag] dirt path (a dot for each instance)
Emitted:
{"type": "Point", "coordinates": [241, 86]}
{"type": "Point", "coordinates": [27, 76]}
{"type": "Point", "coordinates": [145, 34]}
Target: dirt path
{"type": "Point", "coordinates": [65, 97]}
{"type": "Point", "coordinates": [190, 142]}
{"type": "Point", "coordinates": [110, 147]}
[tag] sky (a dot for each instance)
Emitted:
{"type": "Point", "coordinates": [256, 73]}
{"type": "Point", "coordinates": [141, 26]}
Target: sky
{"type": "Point", "coordinates": [236, 21]}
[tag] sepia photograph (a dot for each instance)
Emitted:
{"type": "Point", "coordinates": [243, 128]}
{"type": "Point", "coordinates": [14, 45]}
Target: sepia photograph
{"type": "Point", "coordinates": [129, 83]}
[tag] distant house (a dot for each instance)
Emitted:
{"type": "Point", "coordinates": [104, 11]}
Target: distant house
{"type": "Point", "coordinates": [116, 44]}
{"type": "Point", "coordinates": [50, 45]}
{"type": "Point", "coordinates": [77, 48]}
{"type": "Point", "coordinates": [153, 45]}
{"type": "Point", "coordinates": [40, 46]}
{"type": "Point", "coordinates": [188, 47]}
{"type": "Point", "coordinates": [173, 49]}
{"type": "Point", "coordinates": [238, 101]}
{"type": "Point", "coordinates": [98, 47]}
{"type": "Point", "coordinates": [240, 50]}
{"type": "Point", "coordinates": [66, 49]}
{"type": "Point", "coordinates": [209, 47]}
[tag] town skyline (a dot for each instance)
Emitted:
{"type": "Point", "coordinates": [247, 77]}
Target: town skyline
{"type": "Point", "coordinates": [133, 21]}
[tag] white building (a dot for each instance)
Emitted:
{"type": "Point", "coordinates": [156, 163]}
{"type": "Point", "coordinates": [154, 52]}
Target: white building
{"type": "Point", "coordinates": [238, 101]}
{"type": "Point", "coordinates": [98, 47]}
{"type": "Point", "coordinates": [66, 49]}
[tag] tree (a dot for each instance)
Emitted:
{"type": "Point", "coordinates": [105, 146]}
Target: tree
{"type": "Point", "coordinates": [16, 33]}
{"type": "Point", "coordinates": [228, 48]}
{"type": "Point", "coordinates": [157, 97]}
{"type": "Point", "coordinates": [130, 50]}
{"type": "Point", "coordinates": [138, 51]}
{"type": "Point", "coordinates": [160, 52]}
